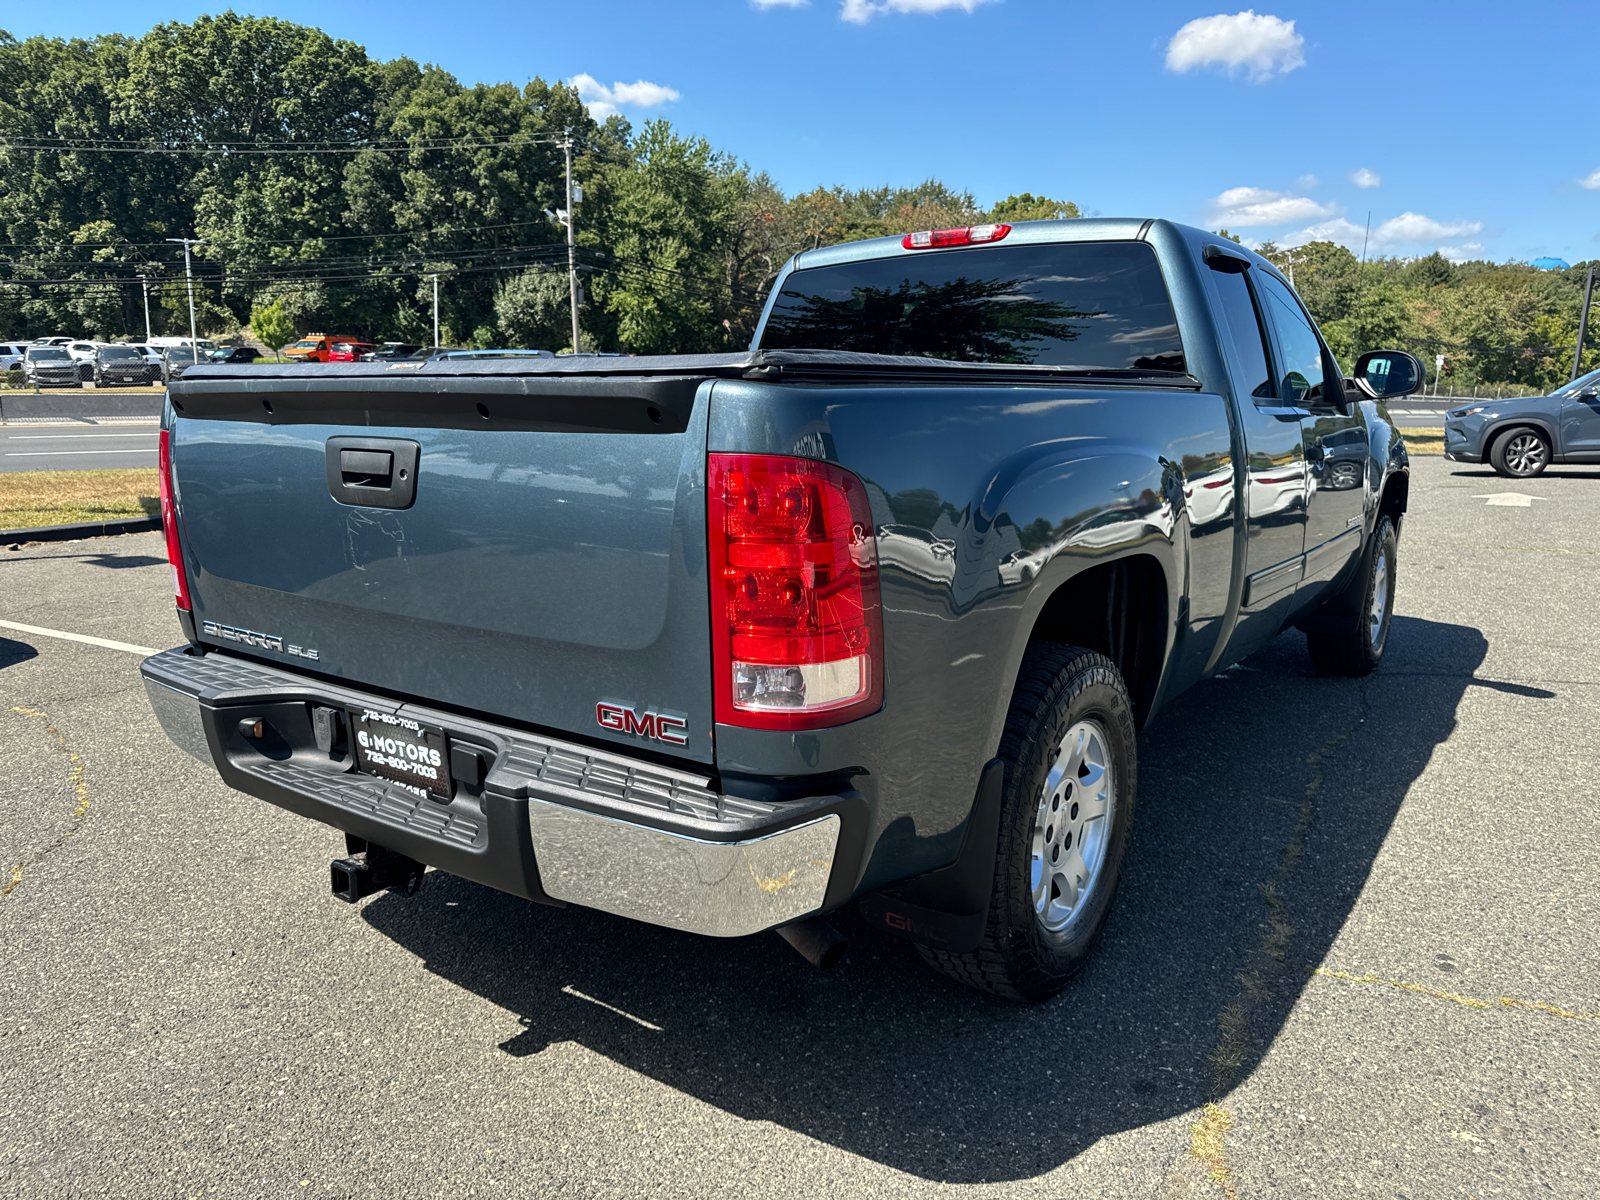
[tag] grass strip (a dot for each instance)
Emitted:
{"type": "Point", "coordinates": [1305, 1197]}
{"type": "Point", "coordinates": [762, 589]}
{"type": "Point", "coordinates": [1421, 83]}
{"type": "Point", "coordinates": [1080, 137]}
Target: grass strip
{"type": "Point", "coordinates": [33, 498]}
{"type": "Point", "coordinates": [1424, 441]}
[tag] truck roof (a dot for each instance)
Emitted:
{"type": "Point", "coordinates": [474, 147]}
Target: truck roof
{"type": "Point", "coordinates": [1077, 229]}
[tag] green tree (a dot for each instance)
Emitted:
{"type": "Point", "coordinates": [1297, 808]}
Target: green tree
{"type": "Point", "coordinates": [533, 311]}
{"type": "Point", "coordinates": [1028, 207]}
{"type": "Point", "coordinates": [271, 325]}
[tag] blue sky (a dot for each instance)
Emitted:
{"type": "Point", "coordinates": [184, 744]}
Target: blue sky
{"type": "Point", "coordinates": [1473, 124]}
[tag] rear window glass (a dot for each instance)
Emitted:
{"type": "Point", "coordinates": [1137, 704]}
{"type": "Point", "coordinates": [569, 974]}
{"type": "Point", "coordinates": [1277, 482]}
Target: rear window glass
{"type": "Point", "coordinates": [1095, 305]}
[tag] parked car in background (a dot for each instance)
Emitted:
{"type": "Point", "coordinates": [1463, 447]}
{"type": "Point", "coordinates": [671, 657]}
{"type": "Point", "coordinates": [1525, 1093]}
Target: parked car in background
{"type": "Point", "coordinates": [151, 354]}
{"type": "Point", "coordinates": [315, 347]}
{"type": "Point", "coordinates": [175, 360]}
{"type": "Point", "coordinates": [463, 354]}
{"type": "Point", "coordinates": [388, 351]}
{"type": "Point", "coordinates": [1521, 436]}
{"type": "Point", "coordinates": [11, 355]}
{"type": "Point", "coordinates": [122, 366]}
{"type": "Point", "coordinates": [349, 351]}
{"type": "Point", "coordinates": [53, 341]}
{"type": "Point", "coordinates": [233, 355]}
{"type": "Point", "coordinates": [195, 349]}
{"type": "Point", "coordinates": [50, 366]}
{"type": "Point", "coordinates": [83, 354]}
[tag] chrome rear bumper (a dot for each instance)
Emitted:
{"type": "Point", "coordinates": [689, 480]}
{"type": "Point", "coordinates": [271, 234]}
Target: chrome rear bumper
{"type": "Point", "coordinates": [551, 821]}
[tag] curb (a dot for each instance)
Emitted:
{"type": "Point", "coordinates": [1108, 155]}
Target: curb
{"type": "Point", "coordinates": [85, 529]}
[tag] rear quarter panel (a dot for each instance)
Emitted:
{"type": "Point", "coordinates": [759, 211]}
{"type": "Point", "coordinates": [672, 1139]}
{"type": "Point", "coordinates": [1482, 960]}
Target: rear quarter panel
{"type": "Point", "coordinates": [985, 501]}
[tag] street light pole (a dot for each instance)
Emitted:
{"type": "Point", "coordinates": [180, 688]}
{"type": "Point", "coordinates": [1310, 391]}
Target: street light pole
{"type": "Point", "coordinates": [572, 247]}
{"type": "Point", "coordinates": [194, 337]}
{"type": "Point", "coordinates": [1583, 323]}
{"type": "Point", "coordinates": [435, 279]}
{"type": "Point", "coordinates": [144, 285]}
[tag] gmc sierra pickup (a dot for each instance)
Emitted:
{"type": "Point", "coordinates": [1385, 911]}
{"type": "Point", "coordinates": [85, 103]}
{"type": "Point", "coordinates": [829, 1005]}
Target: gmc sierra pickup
{"type": "Point", "coordinates": [871, 613]}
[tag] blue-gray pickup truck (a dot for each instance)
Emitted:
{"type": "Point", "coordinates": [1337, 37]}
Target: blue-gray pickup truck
{"type": "Point", "coordinates": [869, 614]}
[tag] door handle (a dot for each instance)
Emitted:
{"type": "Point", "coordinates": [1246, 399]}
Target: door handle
{"type": "Point", "coordinates": [373, 472]}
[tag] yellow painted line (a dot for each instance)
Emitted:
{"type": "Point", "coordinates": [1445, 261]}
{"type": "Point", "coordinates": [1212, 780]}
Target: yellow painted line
{"type": "Point", "coordinates": [1423, 989]}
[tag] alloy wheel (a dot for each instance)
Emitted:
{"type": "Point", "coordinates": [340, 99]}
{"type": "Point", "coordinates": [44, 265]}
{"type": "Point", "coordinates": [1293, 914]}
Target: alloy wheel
{"type": "Point", "coordinates": [1072, 827]}
{"type": "Point", "coordinates": [1380, 598]}
{"type": "Point", "coordinates": [1525, 453]}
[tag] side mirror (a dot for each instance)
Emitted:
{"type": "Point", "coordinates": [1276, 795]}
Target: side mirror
{"type": "Point", "coordinates": [1387, 374]}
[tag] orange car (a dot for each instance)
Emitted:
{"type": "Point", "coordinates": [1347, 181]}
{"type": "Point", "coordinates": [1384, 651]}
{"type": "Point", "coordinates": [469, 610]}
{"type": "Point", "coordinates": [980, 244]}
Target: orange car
{"type": "Point", "coordinates": [349, 351]}
{"type": "Point", "coordinates": [317, 347]}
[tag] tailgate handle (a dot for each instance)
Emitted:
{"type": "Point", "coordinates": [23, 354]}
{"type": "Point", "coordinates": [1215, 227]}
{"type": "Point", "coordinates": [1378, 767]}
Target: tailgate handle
{"type": "Point", "coordinates": [373, 472]}
{"type": "Point", "coordinates": [366, 468]}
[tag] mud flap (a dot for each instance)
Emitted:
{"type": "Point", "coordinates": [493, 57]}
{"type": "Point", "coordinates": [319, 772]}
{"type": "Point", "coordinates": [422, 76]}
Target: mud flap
{"type": "Point", "coordinates": [948, 908]}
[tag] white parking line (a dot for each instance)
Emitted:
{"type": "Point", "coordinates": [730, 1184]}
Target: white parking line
{"type": "Point", "coordinates": [61, 453]}
{"type": "Point", "coordinates": [66, 437]}
{"type": "Point", "coordinates": [142, 651]}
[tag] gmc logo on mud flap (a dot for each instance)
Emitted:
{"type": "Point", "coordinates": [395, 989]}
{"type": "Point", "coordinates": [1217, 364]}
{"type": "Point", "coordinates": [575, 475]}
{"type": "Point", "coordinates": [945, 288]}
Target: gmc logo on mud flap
{"type": "Point", "coordinates": [916, 929]}
{"type": "Point", "coordinates": [619, 718]}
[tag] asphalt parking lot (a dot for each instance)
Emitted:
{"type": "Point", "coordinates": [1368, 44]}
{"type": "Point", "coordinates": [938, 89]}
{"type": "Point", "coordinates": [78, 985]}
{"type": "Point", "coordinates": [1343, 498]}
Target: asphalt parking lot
{"type": "Point", "coordinates": [1360, 916]}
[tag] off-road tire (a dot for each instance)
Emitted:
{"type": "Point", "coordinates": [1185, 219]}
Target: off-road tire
{"type": "Point", "coordinates": [1350, 643]}
{"type": "Point", "coordinates": [1018, 958]}
{"type": "Point", "coordinates": [1510, 455]}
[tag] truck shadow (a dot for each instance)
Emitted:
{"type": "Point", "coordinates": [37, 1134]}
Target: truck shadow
{"type": "Point", "coordinates": [884, 1059]}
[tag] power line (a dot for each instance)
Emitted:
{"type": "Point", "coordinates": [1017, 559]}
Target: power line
{"type": "Point", "coordinates": [222, 240]}
{"type": "Point", "coordinates": [239, 149]}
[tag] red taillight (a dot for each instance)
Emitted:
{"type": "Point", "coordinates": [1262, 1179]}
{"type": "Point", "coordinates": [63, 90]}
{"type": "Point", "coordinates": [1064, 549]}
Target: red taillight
{"type": "Point", "coordinates": [797, 631]}
{"type": "Point", "coordinates": [169, 524]}
{"type": "Point", "coordinates": [972, 235]}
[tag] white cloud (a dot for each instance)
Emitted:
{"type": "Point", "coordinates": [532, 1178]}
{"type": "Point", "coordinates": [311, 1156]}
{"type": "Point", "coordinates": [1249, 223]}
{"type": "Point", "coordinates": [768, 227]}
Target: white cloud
{"type": "Point", "coordinates": [1405, 230]}
{"type": "Point", "coordinates": [859, 12]}
{"type": "Point", "coordinates": [1591, 181]}
{"type": "Point", "coordinates": [1260, 46]}
{"type": "Point", "coordinates": [1364, 178]}
{"type": "Point", "coordinates": [603, 101]}
{"type": "Point", "coordinates": [1307, 183]}
{"type": "Point", "coordinates": [780, 3]}
{"type": "Point", "coordinates": [1466, 252]}
{"type": "Point", "coordinates": [1245, 206]}
{"type": "Point", "coordinates": [1414, 227]}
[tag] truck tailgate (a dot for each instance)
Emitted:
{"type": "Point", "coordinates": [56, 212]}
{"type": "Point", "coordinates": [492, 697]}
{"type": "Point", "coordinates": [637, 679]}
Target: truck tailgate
{"type": "Point", "coordinates": [550, 557]}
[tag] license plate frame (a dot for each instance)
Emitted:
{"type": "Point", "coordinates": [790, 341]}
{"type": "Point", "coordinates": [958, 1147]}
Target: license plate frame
{"type": "Point", "coordinates": [402, 750]}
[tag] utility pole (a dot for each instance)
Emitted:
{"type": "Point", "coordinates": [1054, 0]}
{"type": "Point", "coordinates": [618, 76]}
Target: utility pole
{"type": "Point", "coordinates": [435, 279]}
{"type": "Point", "coordinates": [572, 247]}
{"type": "Point", "coordinates": [144, 284]}
{"type": "Point", "coordinates": [194, 338]}
{"type": "Point", "coordinates": [1583, 323]}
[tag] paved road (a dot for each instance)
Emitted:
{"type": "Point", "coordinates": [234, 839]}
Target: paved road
{"type": "Point", "coordinates": [183, 1009]}
{"type": "Point", "coordinates": [76, 447]}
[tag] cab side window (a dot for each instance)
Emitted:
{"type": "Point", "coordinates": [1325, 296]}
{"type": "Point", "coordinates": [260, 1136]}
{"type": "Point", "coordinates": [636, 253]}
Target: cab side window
{"type": "Point", "coordinates": [1300, 359]}
{"type": "Point", "coordinates": [1242, 324]}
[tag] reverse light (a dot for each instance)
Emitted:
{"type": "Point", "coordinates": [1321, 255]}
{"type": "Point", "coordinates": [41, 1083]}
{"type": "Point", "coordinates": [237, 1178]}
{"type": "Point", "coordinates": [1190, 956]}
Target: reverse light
{"type": "Point", "coordinates": [972, 235]}
{"type": "Point", "coordinates": [169, 523]}
{"type": "Point", "coordinates": [797, 630]}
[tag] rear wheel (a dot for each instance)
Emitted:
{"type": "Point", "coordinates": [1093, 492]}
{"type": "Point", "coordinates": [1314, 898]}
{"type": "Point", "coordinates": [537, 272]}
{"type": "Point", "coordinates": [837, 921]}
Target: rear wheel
{"type": "Point", "coordinates": [1520, 453]}
{"type": "Point", "coordinates": [1070, 774]}
{"type": "Point", "coordinates": [1352, 639]}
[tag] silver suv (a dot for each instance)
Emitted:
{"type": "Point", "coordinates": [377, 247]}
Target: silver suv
{"type": "Point", "coordinates": [50, 366]}
{"type": "Point", "coordinates": [1520, 437]}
